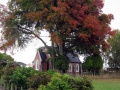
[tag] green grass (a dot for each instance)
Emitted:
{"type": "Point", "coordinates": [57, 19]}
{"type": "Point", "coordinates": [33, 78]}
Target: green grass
{"type": "Point", "coordinates": [106, 84]}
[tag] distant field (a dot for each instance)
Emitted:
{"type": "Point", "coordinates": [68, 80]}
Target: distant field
{"type": "Point", "coordinates": [106, 84]}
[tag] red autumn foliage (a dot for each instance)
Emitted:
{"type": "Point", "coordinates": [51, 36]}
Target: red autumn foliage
{"type": "Point", "coordinates": [79, 23]}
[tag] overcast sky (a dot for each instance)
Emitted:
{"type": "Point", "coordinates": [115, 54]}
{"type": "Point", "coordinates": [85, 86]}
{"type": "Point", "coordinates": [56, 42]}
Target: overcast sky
{"type": "Point", "coordinates": [27, 55]}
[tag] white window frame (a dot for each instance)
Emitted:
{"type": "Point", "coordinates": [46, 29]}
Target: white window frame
{"type": "Point", "coordinates": [37, 65]}
{"type": "Point", "coordinates": [77, 67]}
{"type": "Point", "coordinates": [70, 67]}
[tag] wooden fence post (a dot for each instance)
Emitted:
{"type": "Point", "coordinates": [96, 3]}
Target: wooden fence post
{"type": "Point", "coordinates": [4, 86]}
{"type": "Point", "coordinates": [11, 88]}
{"type": "Point", "coordinates": [7, 86]}
{"type": "Point", "coordinates": [15, 87]}
{"type": "Point", "coordinates": [21, 88]}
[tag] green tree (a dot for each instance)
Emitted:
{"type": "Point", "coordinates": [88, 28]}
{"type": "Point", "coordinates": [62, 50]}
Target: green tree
{"type": "Point", "coordinates": [5, 61]}
{"type": "Point", "coordinates": [61, 63]}
{"type": "Point", "coordinates": [114, 52]}
{"type": "Point", "coordinates": [93, 64]}
{"type": "Point", "coordinates": [75, 26]}
{"type": "Point", "coordinates": [6, 58]}
{"type": "Point", "coordinates": [20, 75]}
{"type": "Point", "coordinates": [72, 25]}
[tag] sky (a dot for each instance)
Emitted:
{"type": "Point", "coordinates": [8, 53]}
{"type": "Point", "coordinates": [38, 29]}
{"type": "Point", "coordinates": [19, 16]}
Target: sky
{"type": "Point", "coordinates": [27, 55]}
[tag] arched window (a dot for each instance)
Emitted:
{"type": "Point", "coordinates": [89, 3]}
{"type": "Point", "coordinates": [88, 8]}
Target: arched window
{"type": "Point", "coordinates": [70, 67]}
{"type": "Point", "coordinates": [77, 67]}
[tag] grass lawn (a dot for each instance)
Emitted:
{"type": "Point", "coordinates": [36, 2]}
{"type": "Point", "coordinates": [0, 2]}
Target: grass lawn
{"type": "Point", "coordinates": [106, 84]}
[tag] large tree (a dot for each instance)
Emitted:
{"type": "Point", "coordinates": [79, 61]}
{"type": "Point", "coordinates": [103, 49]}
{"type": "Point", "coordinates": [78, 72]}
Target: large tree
{"type": "Point", "coordinates": [5, 61]}
{"type": "Point", "coordinates": [75, 26]}
{"type": "Point", "coordinates": [114, 52]}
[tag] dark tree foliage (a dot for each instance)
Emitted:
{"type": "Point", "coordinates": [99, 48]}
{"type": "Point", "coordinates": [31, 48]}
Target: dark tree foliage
{"type": "Point", "coordinates": [93, 64]}
{"type": "Point", "coordinates": [61, 62]}
{"type": "Point", "coordinates": [113, 54]}
{"type": "Point", "coordinates": [5, 61]}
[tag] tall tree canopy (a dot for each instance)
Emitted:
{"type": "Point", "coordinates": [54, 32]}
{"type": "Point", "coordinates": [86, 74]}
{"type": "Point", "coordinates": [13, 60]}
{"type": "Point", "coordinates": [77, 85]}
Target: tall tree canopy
{"type": "Point", "coordinates": [114, 52]}
{"type": "Point", "coordinates": [74, 25]}
{"type": "Point", "coordinates": [93, 64]}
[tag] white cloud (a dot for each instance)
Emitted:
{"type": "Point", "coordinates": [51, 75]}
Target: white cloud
{"type": "Point", "coordinates": [113, 7]}
{"type": "Point", "coordinates": [4, 2]}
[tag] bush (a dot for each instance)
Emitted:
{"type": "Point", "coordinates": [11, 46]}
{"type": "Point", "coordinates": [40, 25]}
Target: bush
{"type": "Point", "coordinates": [65, 82]}
{"type": "Point", "coordinates": [56, 83]}
{"type": "Point", "coordinates": [38, 79]}
{"type": "Point", "coordinates": [20, 75]}
{"type": "Point", "coordinates": [51, 72]}
{"type": "Point", "coordinates": [80, 84]}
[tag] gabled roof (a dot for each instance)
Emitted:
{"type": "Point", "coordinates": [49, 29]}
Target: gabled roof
{"type": "Point", "coordinates": [43, 56]}
{"type": "Point", "coordinates": [72, 58]}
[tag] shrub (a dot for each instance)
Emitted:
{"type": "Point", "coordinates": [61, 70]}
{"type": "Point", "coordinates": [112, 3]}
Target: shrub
{"type": "Point", "coordinates": [65, 82]}
{"type": "Point", "coordinates": [51, 72]}
{"type": "Point", "coordinates": [38, 79]}
{"type": "Point", "coordinates": [80, 84]}
{"type": "Point", "coordinates": [56, 83]}
{"type": "Point", "coordinates": [20, 75]}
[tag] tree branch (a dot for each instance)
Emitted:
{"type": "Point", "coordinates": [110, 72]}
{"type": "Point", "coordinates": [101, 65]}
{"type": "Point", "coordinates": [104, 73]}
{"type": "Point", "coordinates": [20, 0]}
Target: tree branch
{"type": "Point", "coordinates": [28, 31]}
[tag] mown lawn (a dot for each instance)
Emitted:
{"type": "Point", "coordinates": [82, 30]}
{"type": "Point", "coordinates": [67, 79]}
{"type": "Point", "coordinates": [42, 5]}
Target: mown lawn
{"type": "Point", "coordinates": [106, 84]}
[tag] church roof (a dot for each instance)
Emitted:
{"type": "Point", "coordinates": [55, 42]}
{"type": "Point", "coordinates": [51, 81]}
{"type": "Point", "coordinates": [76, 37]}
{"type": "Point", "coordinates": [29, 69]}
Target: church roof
{"type": "Point", "coordinates": [72, 58]}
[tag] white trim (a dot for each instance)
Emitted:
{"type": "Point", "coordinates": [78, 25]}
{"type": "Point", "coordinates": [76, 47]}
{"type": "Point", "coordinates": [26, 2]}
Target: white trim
{"type": "Point", "coordinates": [70, 67]}
{"type": "Point", "coordinates": [37, 65]}
{"type": "Point", "coordinates": [77, 67]}
{"type": "Point", "coordinates": [40, 59]}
